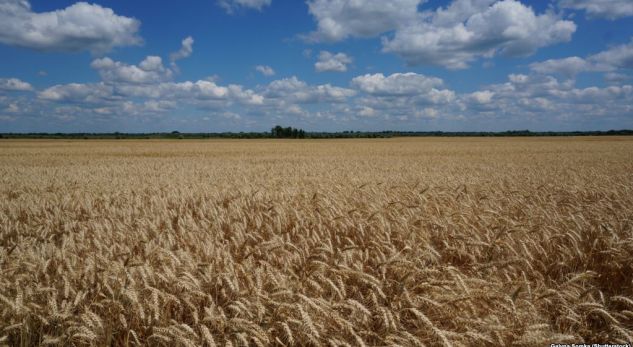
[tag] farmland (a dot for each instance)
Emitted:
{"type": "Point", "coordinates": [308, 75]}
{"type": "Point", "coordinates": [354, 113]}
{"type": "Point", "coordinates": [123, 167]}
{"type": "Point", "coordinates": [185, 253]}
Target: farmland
{"type": "Point", "coordinates": [402, 241]}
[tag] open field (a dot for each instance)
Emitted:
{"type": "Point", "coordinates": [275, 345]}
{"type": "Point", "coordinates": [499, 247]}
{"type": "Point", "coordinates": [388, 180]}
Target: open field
{"type": "Point", "coordinates": [410, 242]}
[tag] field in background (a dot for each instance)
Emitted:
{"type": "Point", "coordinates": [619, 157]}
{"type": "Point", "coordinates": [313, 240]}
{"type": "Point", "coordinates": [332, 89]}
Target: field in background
{"type": "Point", "coordinates": [410, 242]}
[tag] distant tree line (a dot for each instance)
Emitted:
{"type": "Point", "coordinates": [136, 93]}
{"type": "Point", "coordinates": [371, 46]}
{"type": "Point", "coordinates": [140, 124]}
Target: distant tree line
{"type": "Point", "coordinates": [289, 132]}
{"type": "Point", "coordinates": [280, 132]}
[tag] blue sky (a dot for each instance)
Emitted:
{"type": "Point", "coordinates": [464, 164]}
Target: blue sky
{"type": "Point", "coordinates": [247, 65]}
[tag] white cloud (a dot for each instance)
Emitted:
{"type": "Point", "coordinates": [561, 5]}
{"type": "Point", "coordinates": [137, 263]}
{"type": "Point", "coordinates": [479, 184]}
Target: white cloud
{"type": "Point", "coordinates": [401, 84]}
{"type": "Point", "coordinates": [613, 59]}
{"type": "Point", "coordinates": [294, 110]}
{"type": "Point", "coordinates": [284, 97]}
{"type": "Point", "coordinates": [292, 90]}
{"type": "Point", "coordinates": [245, 96]}
{"type": "Point", "coordinates": [159, 105]}
{"type": "Point", "coordinates": [332, 62]}
{"type": "Point", "coordinates": [379, 99]}
{"type": "Point", "coordinates": [81, 26]}
{"type": "Point", "coordinates": [285, 86]}
{"type": "Point", "coordinates": [265, 70]}
{"type": "Point", "coordinates": [400, 95]}
{"type": "Point", "coordinates": [596, 95]}
{"type": "Point", "coordinates": [518, 78]}
{"type": "Point", "coordinates": [148, 88]}
{"type": "Point", "coordinates": [14, 84]}
{"type": "Point", "coordinates": [611, 9]}
{"type": "Point", "coordinates": [199, 91]}
{"type": "Point", "coordinates": [366, 111]}
{"type": "Point", "coordinates": [482, 97]}
{"type": "Point", "coordinates": [91, 93]}
{"type": "Point", "coordinates": [458, 11]}
{"type": "Point", "coordinates": [151, 80]}
{"type": "Point", "coordinates": [428, 112]}
{"type": "Point", "coordinates": [451, 37]}
{"type": "Point", "coordinates": [185, 50]}
{"type": "Point", "coordinates": [467, 29]}
{"type": "Point", "coordinates": [545, 96]}
{"type": "Point", "coordinates": [150, 70]}
{"type": "Point", "coordinates": [232, 5]}
{"type": "Point", "coordinates": [13, 108]}
{"type": "Point", "coordinates": [523, 99]}
{"type": "Point", "coordinates": [618, 57]}
{"type": "Point", "coordinates": [614, 77]}
{"type": "Point", "coordinates": [568, 66]}
{"type": "Point", "coordinates": [340, 19]}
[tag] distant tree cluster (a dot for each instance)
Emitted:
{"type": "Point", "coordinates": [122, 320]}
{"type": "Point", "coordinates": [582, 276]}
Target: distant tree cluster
{"type": "Point", "coordinates": [287, 133]}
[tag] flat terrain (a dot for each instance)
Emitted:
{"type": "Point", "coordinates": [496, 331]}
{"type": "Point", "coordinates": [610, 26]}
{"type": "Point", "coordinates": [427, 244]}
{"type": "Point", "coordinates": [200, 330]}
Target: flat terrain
{"type": "Point", "coordinates": [403, 241]}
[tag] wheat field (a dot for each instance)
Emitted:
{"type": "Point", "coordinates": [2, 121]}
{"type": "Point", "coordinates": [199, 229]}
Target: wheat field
{"type": "Point", "coordinates": [381, 242]}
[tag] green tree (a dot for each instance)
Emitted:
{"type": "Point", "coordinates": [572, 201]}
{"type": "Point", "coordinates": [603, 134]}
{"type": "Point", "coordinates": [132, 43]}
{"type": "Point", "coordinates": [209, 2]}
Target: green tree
{"type": "Point", "coordinates": [277, 131]}
{"type": "Point", "coordinates": [287, 132]}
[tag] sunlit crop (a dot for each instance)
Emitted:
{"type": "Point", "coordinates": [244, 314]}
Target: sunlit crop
{"type": "Point", "coordinates": [409, 242]}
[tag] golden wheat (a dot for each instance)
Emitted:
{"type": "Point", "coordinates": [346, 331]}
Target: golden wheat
{"type": "Point", "coordinates": [400, 242]}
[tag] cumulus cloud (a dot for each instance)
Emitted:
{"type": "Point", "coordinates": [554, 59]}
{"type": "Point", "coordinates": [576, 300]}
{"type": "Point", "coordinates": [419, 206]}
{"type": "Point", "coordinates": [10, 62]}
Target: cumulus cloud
{"type": "Point", "coordinates": [340, 19]}
{"type": "Point", "coordinates": [366, 111]}
{"type": "Point", "coordinates": [613, 59]}
{"type": "Point", "coordinates": [201, 90]}
{"type": "Point", "coordinates": [150, 70]}
{"type": "Point", "coordinates": [539, 95]}
{"type": "Point", "coordinates": [81, 26]}
{"type": "Point", "coordinates": [455, 36]}
{"type": "Point", "coordinates": [159, 105]}
{"type": "Point", "coordinates": [332, 62]}
{"type": "Point", "coordinates": [614, 77]}
{"type": "Point", "coordinates": [146, 88]}
{"type": "Point", "coordinates": [292, 90]}
{"type": "Point", "coordinates": [482, 97]}
{"type": "Point", "coordinates": [401, 84]}
{"type": "Point", "coordinates": [597, 95]}
{"type": "Point", "coordinates": [618, 57]}
{"type": "Point", "coordinates": [451, 36]}
{"type": "Point", "coordinates": [428, 112]}
{"type": "Point", "coordinates": [185, 50]}
{"type": "Point", "coordinates": [285, 96]}
{"type": "Point", "coordinates": [14, 84]}
{"type": "Point", "coordinates": [567, 66]}
{"type": "Point", "coordinates": [13, 108]}
{"type": "Point", "coordinates": [400, 95]}
{"type": "Point", "coordinates": [265, 70]}
{"type": "Point", "coordinates": [90, 93]}
{"type": "Point", "coordinates": [522, 98]}
{"type": "Point", "coordinates": [113, 89]}
{"type": "Point", "coordinates": [232, 5]}
{"type": "Point", "coordinates": [610, 9]}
